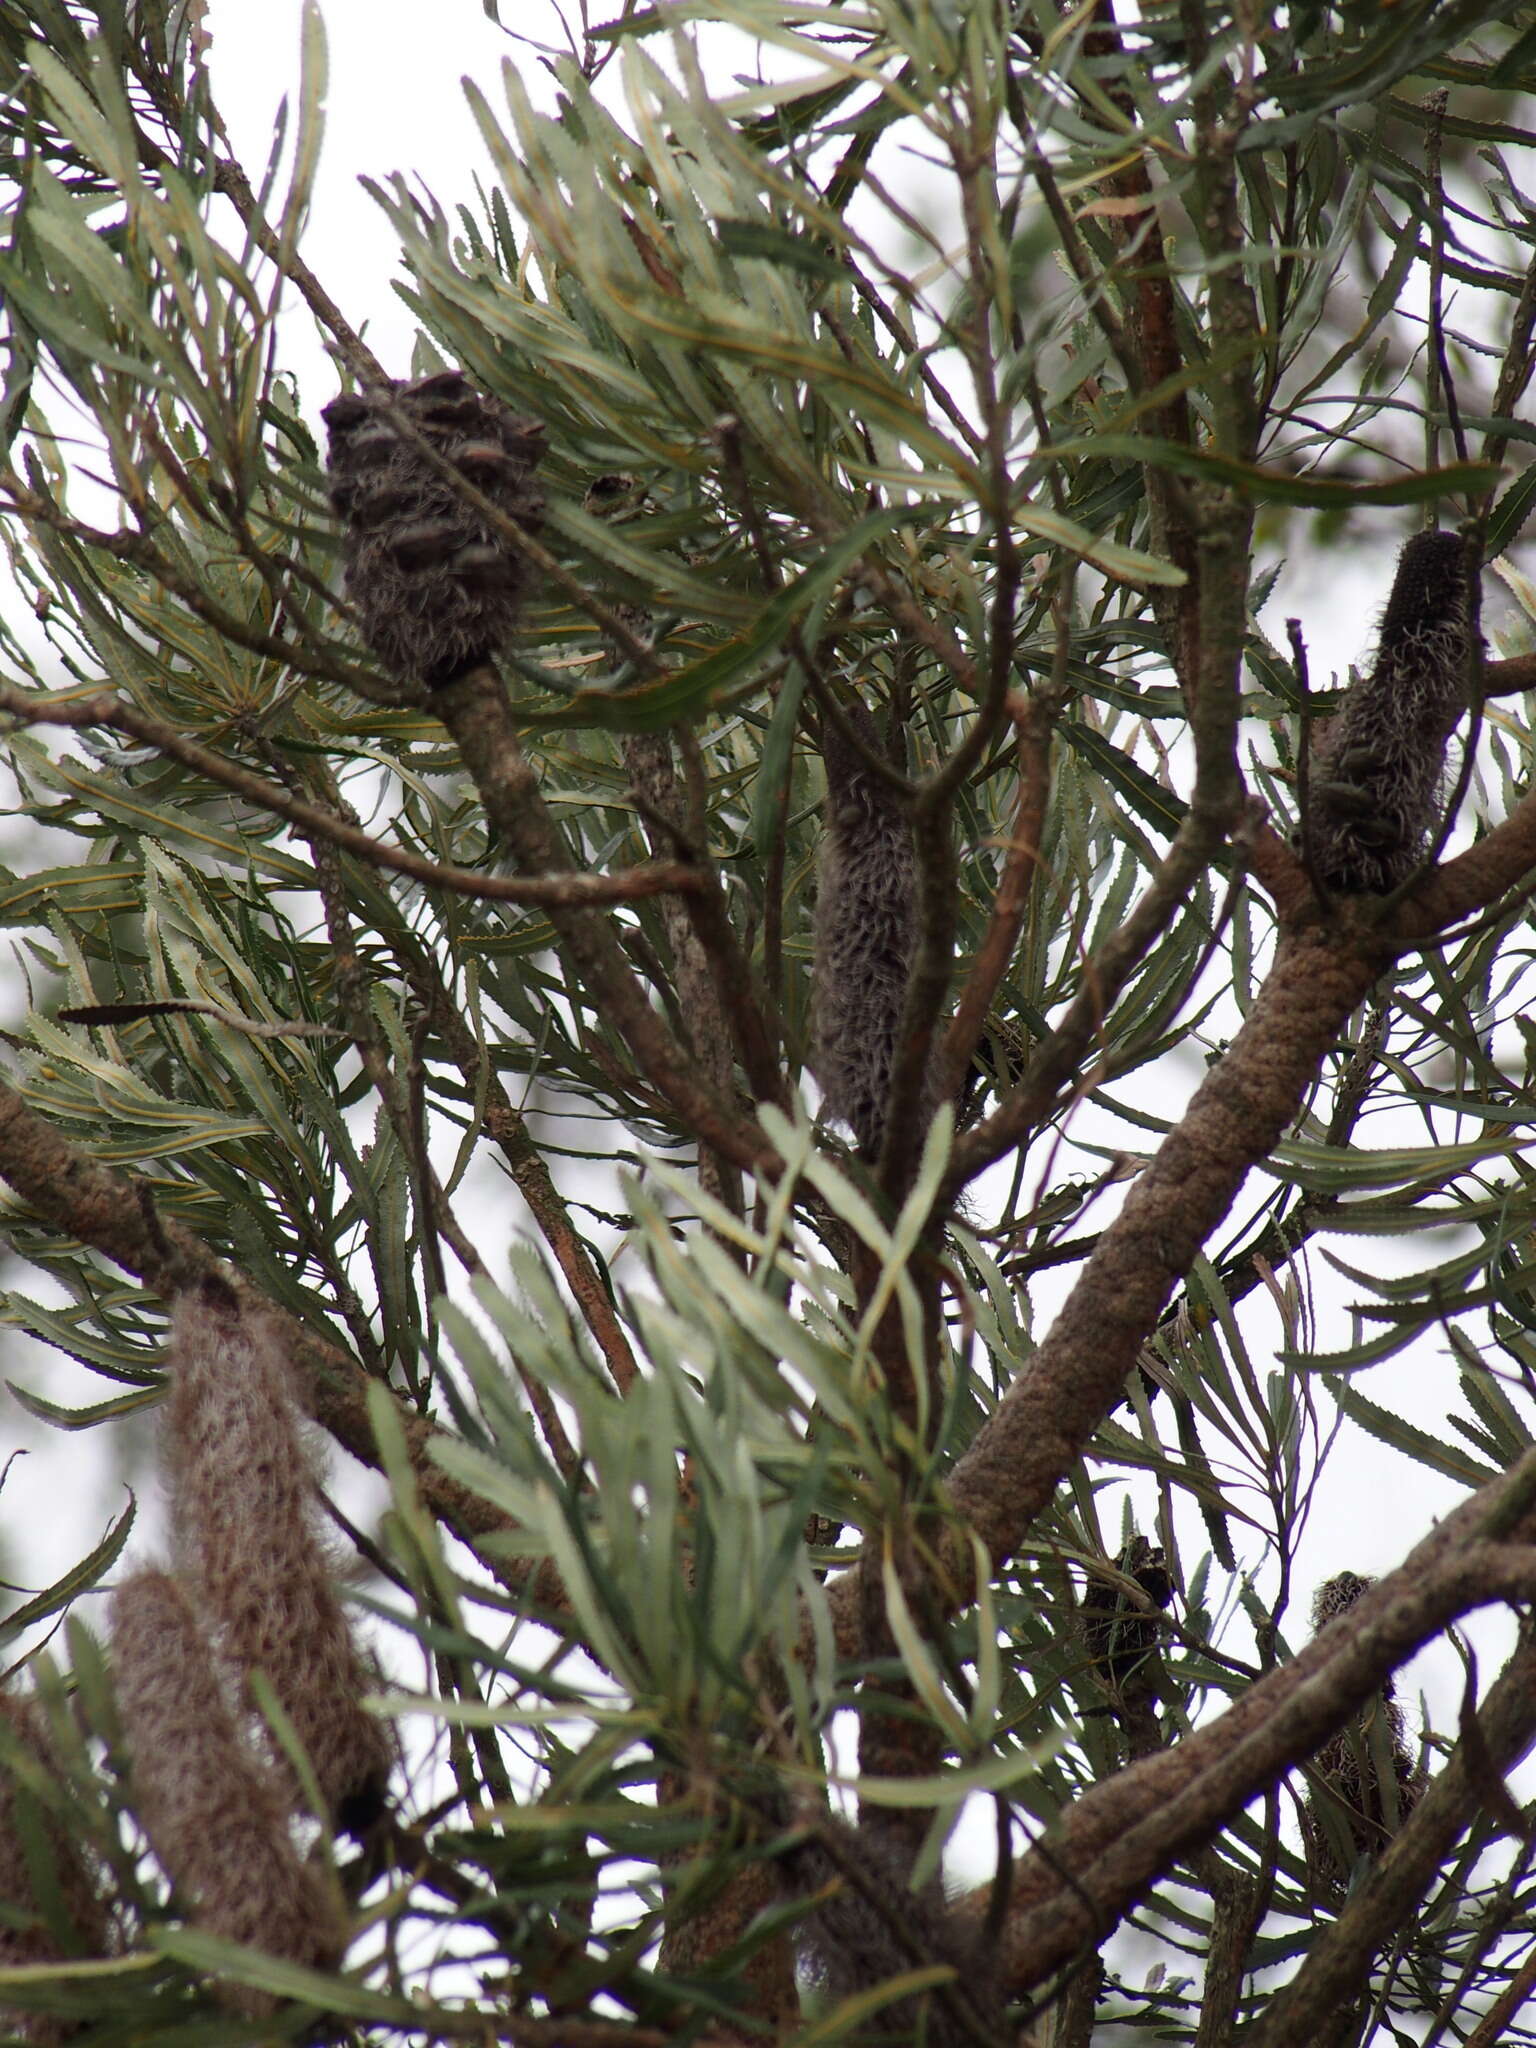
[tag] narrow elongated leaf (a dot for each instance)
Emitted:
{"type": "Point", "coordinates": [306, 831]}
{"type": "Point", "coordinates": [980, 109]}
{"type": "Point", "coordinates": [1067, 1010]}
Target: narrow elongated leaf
{"type": "Point", "coordinates": [78, 1579]}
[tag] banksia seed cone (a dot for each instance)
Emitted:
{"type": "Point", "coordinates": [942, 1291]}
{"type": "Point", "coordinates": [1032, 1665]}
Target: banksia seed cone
{"type": "Point", "coordinates": [866, 931]}
{"type": "Point", "coordinates": [1121, 1637]}
{"type": "Point", "coordinates": [1348, 1766]}
{"type": "Point", "coordinates": [214, 1813]}
{"type": "Point", "coordinates": [1376, 790]}
{"type": "Point", "coordinates": [242, 1517]}
{"type": "Point", "coordinates": [435, 588]}
{"type": "Point", "coordinates": [75, 1894]}
{"type": "Point", "coordinates": [868, 1926]}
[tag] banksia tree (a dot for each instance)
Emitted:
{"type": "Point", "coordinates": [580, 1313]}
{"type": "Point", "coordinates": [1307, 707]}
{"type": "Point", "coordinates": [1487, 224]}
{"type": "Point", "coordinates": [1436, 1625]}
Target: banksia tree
{"type": "Point", "coordinates": [675, 921]}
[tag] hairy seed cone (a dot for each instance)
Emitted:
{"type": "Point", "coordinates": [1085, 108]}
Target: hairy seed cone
{"type": "Point", "coordinates": [243, 1502]}
{"type": "Point", "coordinates": [1376, 786]}
{"type": "Point", "coordinates": [436, 589]}
{"type": "Point", "coordinates": [72, 1886]}
{"type": "Point", "coordinates": [214, 1813]}
{"type": "Point", "coordinates": [1120, 1636]}
{"type": "Point", "coordinates": [868, 1926]}
{"type": "Point", "coordinates": [1351, 1792]}
{"type": "Point", "coordinates": [865, 934]}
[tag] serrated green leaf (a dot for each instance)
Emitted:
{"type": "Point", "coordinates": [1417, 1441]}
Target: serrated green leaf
{"type": "Point", "coordinates": [82, 1418]}
{"type": "Point", "coordinates": [1406, 1437]}
{"type": "Point", "coordinates": [78, 1579]}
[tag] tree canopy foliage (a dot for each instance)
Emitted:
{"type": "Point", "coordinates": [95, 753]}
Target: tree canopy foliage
{"type": "Point", "coordinates": [923, 399]}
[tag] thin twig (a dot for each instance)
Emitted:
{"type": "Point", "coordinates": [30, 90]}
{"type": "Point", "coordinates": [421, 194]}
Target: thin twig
{"type": "Point", "coordinates": [478, 715]}
{"type": "Point", "coordinates": [1033, 718]}
{"type": "Point", "coordinates": [102, 708]}
{"type": "Point", "coordinates": [1304, 760]}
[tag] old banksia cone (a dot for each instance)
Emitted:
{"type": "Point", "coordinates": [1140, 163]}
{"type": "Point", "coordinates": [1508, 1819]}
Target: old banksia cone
{"type": "Point", "coordinates": [1365, 1782]}
{"type": "Point", "coordinates": [243, 1504]}
{"type": "Point", "coordinates": [868, 1926]}
{"type": "Point", "coordinates": [435, 587]}
{"type": "Point", "coordinates": [866, 929]}
{"type": "Point", "coordinates": [1120, 1632]}
{"type": "Point", "coordinates": [214, 1812]}
{"type": "Point", "coordinates": [1376, 791]}
{"type": "Point", "coordinates": [52, 1908]}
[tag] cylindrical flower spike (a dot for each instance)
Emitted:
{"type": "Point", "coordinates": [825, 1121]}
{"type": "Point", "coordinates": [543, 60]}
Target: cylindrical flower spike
{"type": "Point", "coordinates": [247, 1548]}
{"type": "Point", "coordinates": [215, 1813]}
{"type": "Point", "coordinates": [866, 929]}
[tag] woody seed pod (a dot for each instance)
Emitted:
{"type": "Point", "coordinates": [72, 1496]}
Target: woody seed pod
{"type": "Point", "coordinates": [1376, 791]}
{"type": "Point", "coordinates": [435, 589]}
{"type": "Point", "coordinates": [1122, 1637]}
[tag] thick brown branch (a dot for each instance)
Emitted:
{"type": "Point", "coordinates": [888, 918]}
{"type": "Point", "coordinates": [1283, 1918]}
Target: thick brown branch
{"type": "Point", "coordinates": [1504, 678]}
{"type": "Point", "coordinates": [1235, 1119]}
{"type": "Point", "coordinates": [1474, 879]}
{"type": "Point", "coordinates": [1126, 1831]}
{"type": "Point", "coordinates": [1309, 2007]}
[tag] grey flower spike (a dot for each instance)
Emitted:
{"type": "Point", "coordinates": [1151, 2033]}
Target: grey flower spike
{"type": "Point", "coordinates": [243, 1508]}
{"type": "Point", "coordinates": [213, 1811]}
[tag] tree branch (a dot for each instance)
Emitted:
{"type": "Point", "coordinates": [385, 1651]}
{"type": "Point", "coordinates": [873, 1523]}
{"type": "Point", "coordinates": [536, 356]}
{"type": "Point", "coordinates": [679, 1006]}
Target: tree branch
{"type": "Point", "coordinates": [71, 1191]}
{"type": "Point", "coordinates": [1310, 2007]}
{"type": "Point", "coordinates": [656, 878]}
{"type": "Point", "coordinates": [477, 713]}
{"type": "Point", "coordinates": [1033, 717]}
{"type": "Point", "coordinates": [1123, 1833]}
